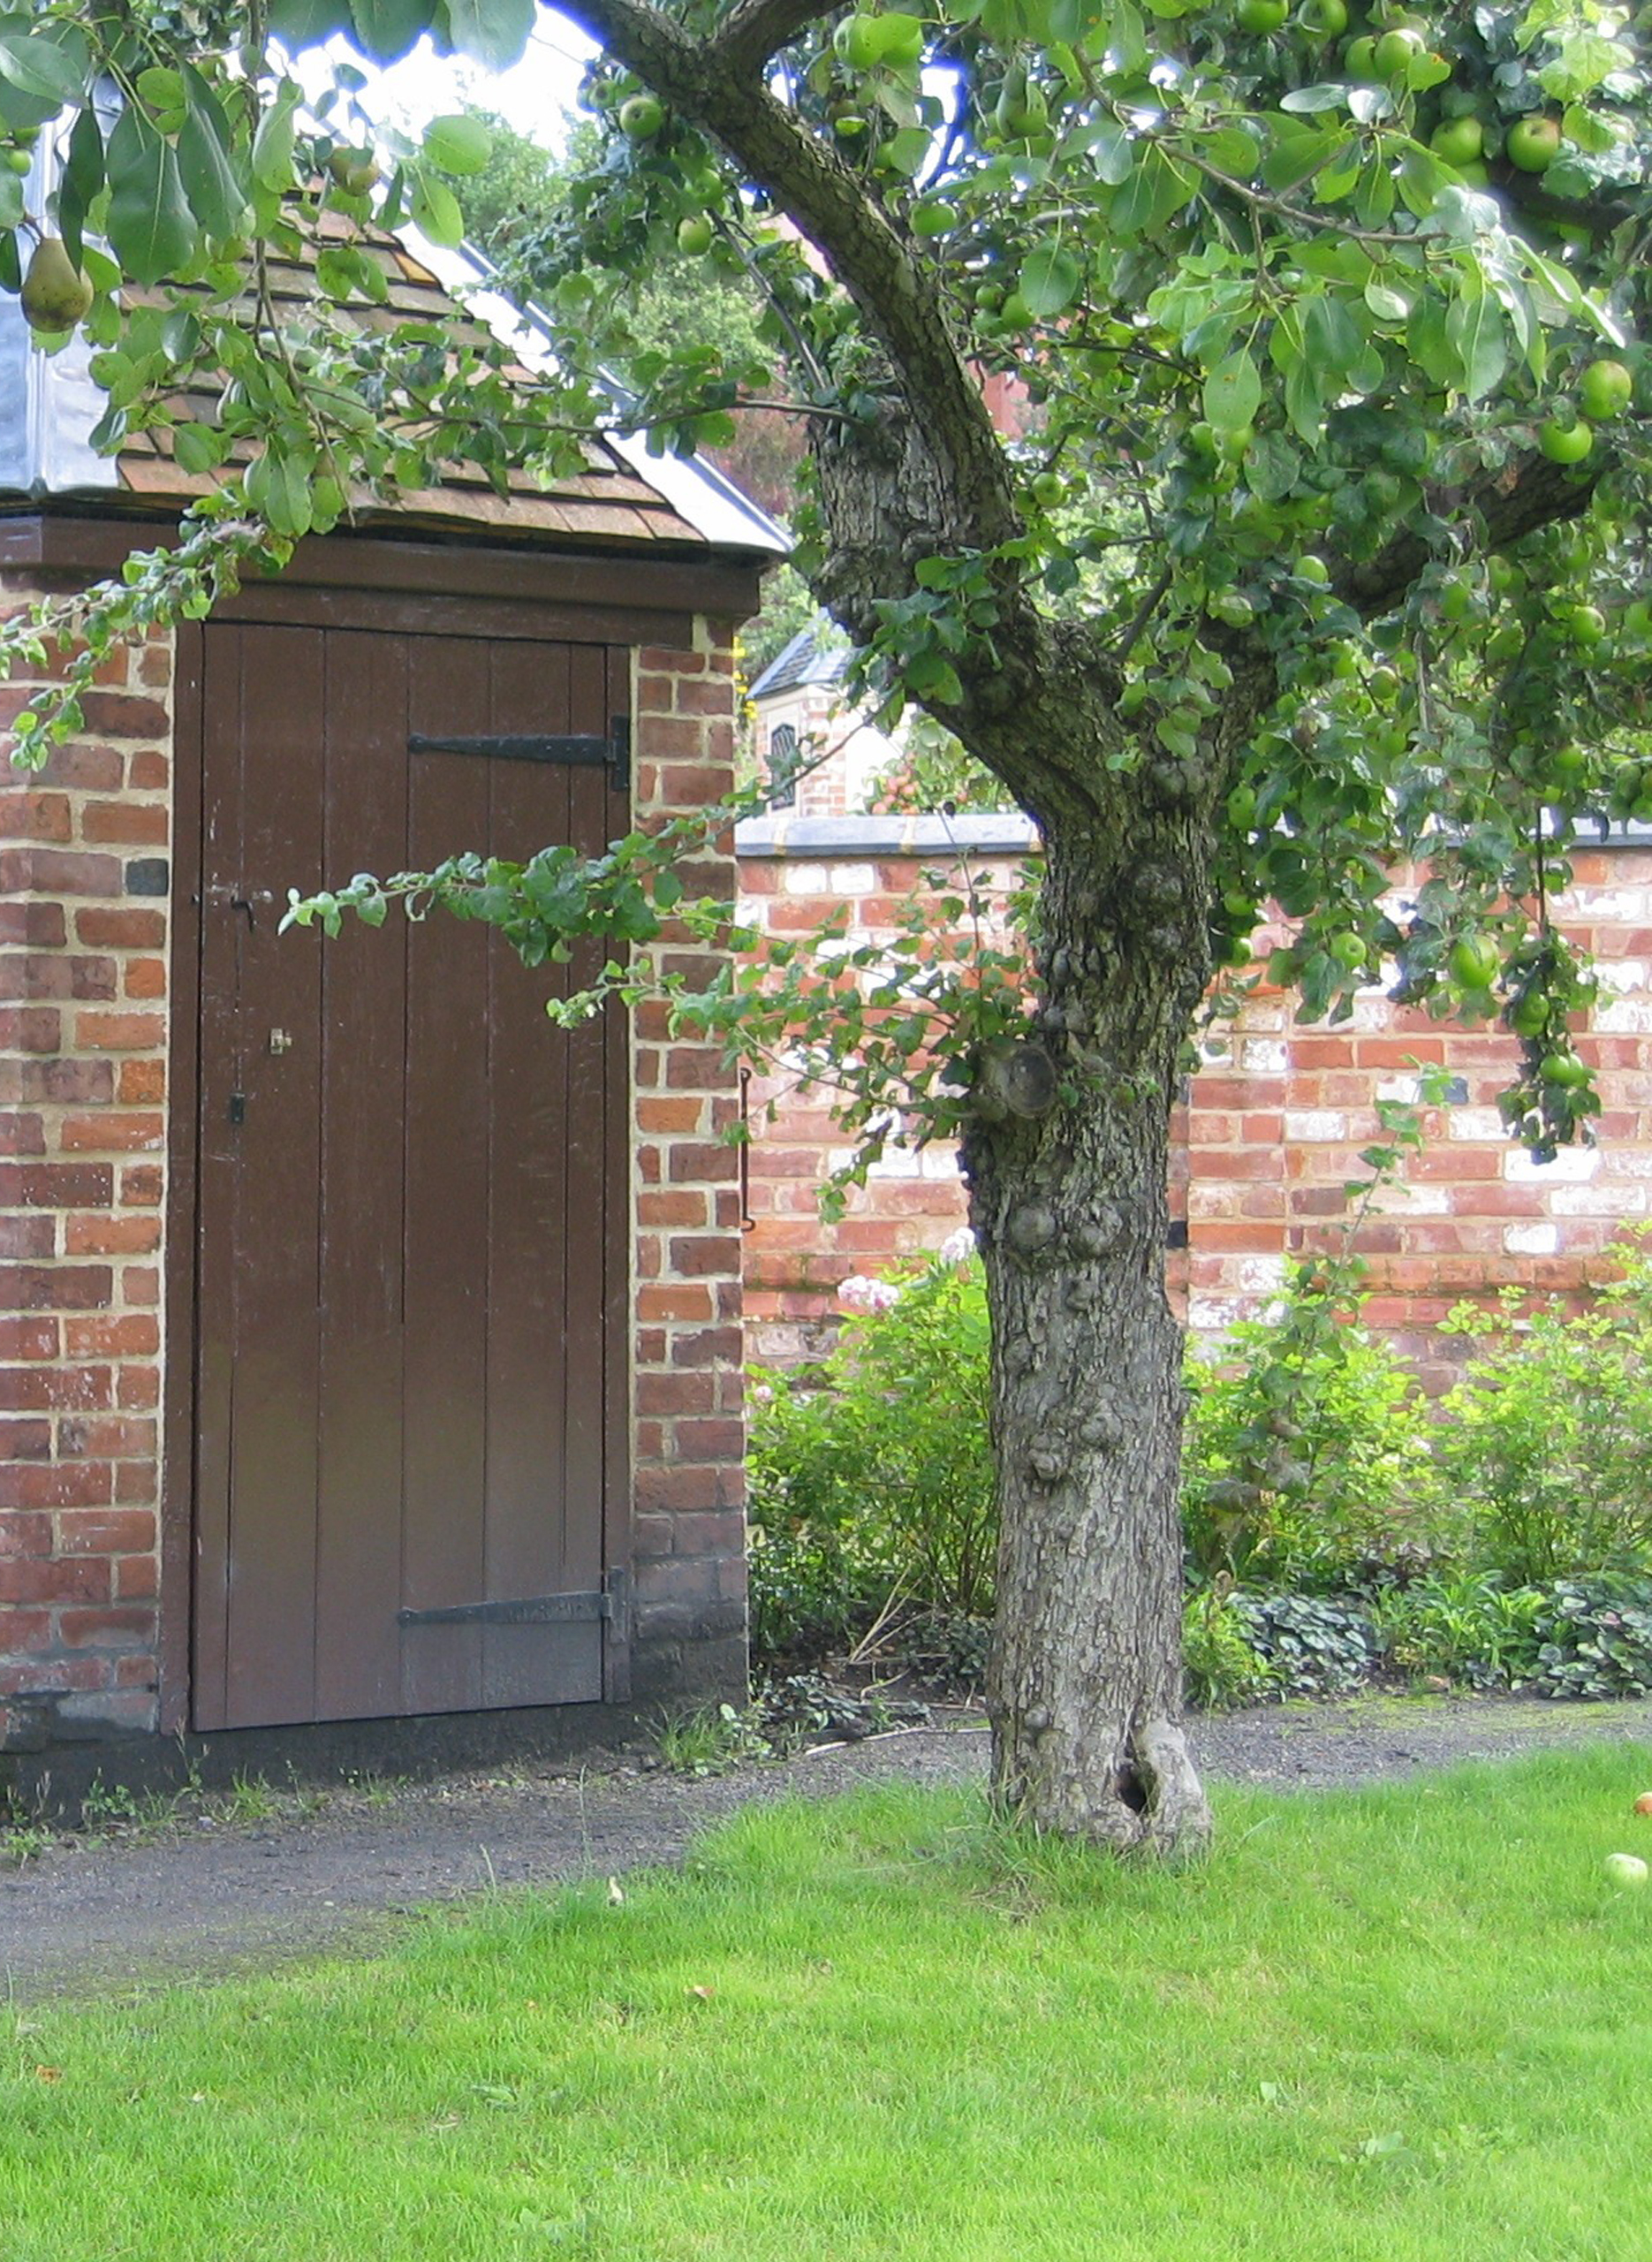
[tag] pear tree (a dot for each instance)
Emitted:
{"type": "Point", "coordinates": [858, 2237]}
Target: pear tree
{"type": "Point", "coordinates": [1322, 558]}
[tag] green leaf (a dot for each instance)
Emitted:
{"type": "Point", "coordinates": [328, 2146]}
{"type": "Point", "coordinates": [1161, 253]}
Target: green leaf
{"type": "Point", "coordinates": [386, 29]}
{"type": "Point", "coordinates": [216, 197]}
{"type": "Point", "coordinates": [1232, 392]}
{"type": "Point", "coordinates": [306, 23]}
{"type": "Point", "coordinates": [436, 210]}
{"type": "Point", "coordinates": [1474, 324]}
{"type": "Point", "coordinates": [150, 225]}
{"type": "Point", "coordinates": [495, 32]}
{"type": "Point", "coordinates": [1330, 334]}
{"type": "Point", "coordinates": [1307, 100]}
{"type": "Point", "coordinates": [83, 180]}
{"type": "Point", "coordinates": [1112, 153]}
{"type": "Point", "coordinates": [42, 66]}
{"type": "Point", "coordinates": [272, 145]}
{"type": "Point", "coordinates": [1385, 302]}
{"type": "Point", "coordinates": [198, 449]}
{"type": "Point", "coordinates": [1049, 281]}
{"type": "Point", "coordinates": [458, 144]}
{"type": "Point", "coordinates": [909, 150]}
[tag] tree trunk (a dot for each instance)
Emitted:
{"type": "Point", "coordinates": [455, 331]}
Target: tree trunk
{"type": "Point", "coordinates": [1069, 1206]}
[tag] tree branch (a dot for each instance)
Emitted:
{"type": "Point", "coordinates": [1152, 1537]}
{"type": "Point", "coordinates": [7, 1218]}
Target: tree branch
{"type": "Point", "coordinates": [757, 29]}
{"type": "Point", "coordinates": [1512, 502]}
{"type": "Point", "coordinates": [822, 196]}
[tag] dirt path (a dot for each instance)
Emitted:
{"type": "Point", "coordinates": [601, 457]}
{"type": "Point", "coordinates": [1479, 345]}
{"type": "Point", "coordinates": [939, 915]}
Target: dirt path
{"type": "Point", "coordinates": [204, 1894]}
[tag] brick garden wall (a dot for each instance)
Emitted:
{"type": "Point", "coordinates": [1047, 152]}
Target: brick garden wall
{"type": "Point", "coordinates": [83, 1046]}
{"type": "Point", "coordinates": [1269, 1136]}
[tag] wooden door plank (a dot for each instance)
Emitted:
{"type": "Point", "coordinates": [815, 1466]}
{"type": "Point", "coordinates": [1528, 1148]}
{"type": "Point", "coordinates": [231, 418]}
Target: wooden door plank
{"type": "Point", "coordinates": [446, 1228]}
{"type": "Point", "coordinates": [531, 1316]}
{"type": "Point", "coordinates": [277, 1166]}
{"type": "Point", "coordinates": [587, 1155]}
{"type": "Point", "coordinates": [219, 1077]}
{"type": "Point", "coordinates": [358, 1564]}
{"type": "Point", "coordinates": [619, 1290]}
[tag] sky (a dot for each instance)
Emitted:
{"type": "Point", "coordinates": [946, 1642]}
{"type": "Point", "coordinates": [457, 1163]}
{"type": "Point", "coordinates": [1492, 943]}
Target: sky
{"type": "Point", "coordinates": [533, 97]}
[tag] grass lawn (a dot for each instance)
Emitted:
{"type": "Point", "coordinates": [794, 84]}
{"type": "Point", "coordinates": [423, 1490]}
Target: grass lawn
{"type": "Point", "coordinates": [1393, 2026]}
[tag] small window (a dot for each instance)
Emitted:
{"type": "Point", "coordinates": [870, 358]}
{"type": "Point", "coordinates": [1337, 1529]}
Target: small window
{"type": "Point", "coordinates": [783, 767]}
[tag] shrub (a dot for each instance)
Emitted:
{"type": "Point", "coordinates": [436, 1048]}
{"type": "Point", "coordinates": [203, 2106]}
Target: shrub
{"type": "Point", "coordinates": [1220, 1664]}
{"type": "Point", "coordinates": [1548, 1437]}
{"type": "Point", "coordinates": [1312, 1647]}
{"type": "Point", "coordinates": [1307, 1446]}
{"type": "Point", "coordinates": [1594, 1638]}
{"type": "Point", "coordinates": [874, 1484]}
{"type": "Point", "coordinates": [1471, 1627]}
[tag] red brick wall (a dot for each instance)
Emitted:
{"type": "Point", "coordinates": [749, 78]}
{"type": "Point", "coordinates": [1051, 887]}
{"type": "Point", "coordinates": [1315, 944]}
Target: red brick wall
{"type": "Point", "coordinates": [689, 1439]}
{"type": "Point", "coordinates": [83, 1034]}
{"type": "Point", "coordinates": [1270, 1134]}
{"type": "Point", "coordinates": [83, 1090]}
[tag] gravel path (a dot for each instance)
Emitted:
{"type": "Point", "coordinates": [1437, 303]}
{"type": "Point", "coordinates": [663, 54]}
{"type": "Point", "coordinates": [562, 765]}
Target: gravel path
{"type": "Point", "coordinates": [204, 1896]}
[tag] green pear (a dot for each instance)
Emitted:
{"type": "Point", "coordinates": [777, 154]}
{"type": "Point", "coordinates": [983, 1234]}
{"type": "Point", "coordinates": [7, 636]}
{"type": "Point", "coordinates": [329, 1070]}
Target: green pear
{"type": "Point", "coordinates": [56, 293]}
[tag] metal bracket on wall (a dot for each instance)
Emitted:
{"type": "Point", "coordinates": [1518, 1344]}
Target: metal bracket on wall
{"type": "Point", "coordinates": [613, 754]}
{"type": "Point", "coordinates": [608, 1601]}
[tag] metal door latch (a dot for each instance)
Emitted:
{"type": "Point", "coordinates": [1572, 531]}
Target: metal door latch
{"type": "Point", "coordinates": [280, 1042]}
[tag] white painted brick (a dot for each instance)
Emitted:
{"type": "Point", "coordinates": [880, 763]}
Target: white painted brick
{"type": "Point", "coordinates": [1476, 1123]}
{"type": "Point", "coordinates": [1624, 1016]}
{"type": "Point", "coordinates": [1606, 905]}
{"type": "Point", "coordinates": [1617, 1201]}
{"type": "Point", "coordinates": [939, 1161]}
{"type": "Point", "coordinates": [1621, 973]}
{"type": "Point", "coordinates": [1263, 1056]}
{"type": "Point", "coordinates": [1404, 1201]}
{"type": "Point", "coordinates": [853, 879]}
{"type": "Point", "coordinates": [1316, 1123]}
{"type": "Point", "coordinates": [897, 1162]}
{"type": "Point", "coordinates": [1405, 1089]}
{"type": "Point", "coordinates": [804, 879]}
{"type": "Point", "coordinates": [1531, 1241]}
{"type": "Point", "coordinates": [1209, 1315]}
{"type": "Point", "coordinates": [1571, 1167]}
{"type": "Point", "coordinates": [1261, 1275]}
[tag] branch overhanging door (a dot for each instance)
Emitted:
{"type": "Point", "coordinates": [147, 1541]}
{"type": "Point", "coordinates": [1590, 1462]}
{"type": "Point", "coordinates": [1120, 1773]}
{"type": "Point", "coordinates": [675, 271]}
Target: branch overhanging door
{"type": "Point", "coordinates": [411, 1281]}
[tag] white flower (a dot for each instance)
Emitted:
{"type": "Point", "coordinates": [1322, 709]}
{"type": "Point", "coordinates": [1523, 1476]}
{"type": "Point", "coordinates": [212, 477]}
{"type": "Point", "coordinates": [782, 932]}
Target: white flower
{"type": "Point", "coordinates": [958, 1248]}
{"type": "Point", "coordinates": [858, 1293]}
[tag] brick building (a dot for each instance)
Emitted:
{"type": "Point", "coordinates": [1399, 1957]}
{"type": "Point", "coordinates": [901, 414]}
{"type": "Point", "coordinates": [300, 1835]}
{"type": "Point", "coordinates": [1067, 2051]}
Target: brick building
{"type": "Point", "coordinates": [369, 1350]}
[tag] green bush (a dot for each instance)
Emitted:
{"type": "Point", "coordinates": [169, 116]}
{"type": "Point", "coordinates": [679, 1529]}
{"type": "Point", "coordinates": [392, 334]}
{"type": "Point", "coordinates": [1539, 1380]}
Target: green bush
{"type": "Point", "coordinates": [1308, 1454]}
{"type": "Point", "coordinates": [1221, 1665]}
{"type": "Point", "coordinates": [1471, 1627]}
{"type": "Point", "coordinates": [872, 1484]}
{"type": "Point", "coordinates": [1313, 1646]}
{"type": "Point", "coordinates": [1548, 1437]}
{"type": "Point", "coordinates": [1594, 1638]}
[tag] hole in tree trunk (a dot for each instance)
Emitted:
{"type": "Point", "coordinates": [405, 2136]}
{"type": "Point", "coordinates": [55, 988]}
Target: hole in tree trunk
{"type": "Point", "coordinates": [1129, 1787]}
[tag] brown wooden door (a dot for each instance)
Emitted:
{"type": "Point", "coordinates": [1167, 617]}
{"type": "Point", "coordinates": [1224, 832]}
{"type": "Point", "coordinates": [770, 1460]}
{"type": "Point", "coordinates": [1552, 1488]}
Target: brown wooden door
{"type": "Point", "coordinates": [412, 1278]}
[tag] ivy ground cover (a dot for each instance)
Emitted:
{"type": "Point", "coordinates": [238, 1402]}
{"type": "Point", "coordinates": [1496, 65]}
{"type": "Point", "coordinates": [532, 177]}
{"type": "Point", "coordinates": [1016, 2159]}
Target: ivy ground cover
{"type": "Point", "coordinates": [1373, 2027]}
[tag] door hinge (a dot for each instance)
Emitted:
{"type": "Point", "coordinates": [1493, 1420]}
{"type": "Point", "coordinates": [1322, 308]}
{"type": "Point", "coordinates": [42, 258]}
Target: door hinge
{"type": "Point", "coordinates": [610, 1602]}
{"type": "Point", "coordinates": [612, 752]}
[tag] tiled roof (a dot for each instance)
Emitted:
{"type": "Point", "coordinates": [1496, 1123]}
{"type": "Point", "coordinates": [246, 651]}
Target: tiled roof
{"type": "Point", "coordinates": [49, 406]}
{"type": "Point", "coordinates": [808, 658]}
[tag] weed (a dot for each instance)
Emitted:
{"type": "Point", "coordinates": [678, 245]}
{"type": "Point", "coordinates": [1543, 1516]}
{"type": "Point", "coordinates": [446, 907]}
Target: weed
{"type": "Point", "coordinates": [109, 1806]}
{"type": "Point", "coordinates": [249, 1799]}
{"type": "Point", "coordinates": [711, 1740]}
{"type": "Point", "coordinates": [25, 1841]}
